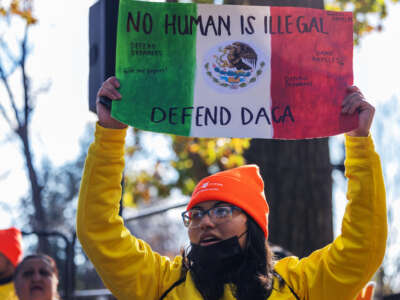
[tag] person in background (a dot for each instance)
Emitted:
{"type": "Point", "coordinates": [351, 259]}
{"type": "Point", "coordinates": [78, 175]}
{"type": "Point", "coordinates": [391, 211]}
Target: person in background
{"type": "Point", "coordinates": [10, 256]}
{"type": "Point", "coordinates": [36, 278]}
{"type": "Point", "coordinates": [227, 223]}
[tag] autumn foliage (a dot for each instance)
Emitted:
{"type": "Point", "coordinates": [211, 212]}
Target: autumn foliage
{"type": "Point", "coordinates": [22, 8]}
{"type": "Point", "coordinates": [368, 15]}
{"type": "Point", "coordinates": [193, 159]}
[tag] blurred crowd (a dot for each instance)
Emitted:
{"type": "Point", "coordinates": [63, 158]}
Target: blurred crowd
{"type": "Point", "coordinates": [33, 277]}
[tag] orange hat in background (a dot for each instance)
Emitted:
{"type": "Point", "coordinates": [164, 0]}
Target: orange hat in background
{"type": "Point", "coordinates": [242, 187]}
{"type": "Point", "coordinates": [11, 245]}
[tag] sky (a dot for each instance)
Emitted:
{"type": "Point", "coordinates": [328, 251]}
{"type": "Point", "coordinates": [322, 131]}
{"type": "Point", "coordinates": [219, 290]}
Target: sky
{"type": "Point", "coordinates": [59, 54]}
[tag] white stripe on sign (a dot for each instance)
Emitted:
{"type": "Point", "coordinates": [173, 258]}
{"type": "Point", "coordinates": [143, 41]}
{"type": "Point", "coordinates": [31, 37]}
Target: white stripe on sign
{"type": "Point", "coordinates": [236, 65]}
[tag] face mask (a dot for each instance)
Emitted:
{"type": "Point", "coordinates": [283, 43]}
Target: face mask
{"type": "Point", "coordinates": [222, 257]}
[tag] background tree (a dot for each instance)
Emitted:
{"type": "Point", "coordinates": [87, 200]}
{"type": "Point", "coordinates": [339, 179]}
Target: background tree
{"type": "Point", "coordinates": [19, 8]}
{"type": "Point", "coordinates": [17, 108]}
{"type": "Point", "coordinates": [186, 161]}
{"type": "Point", "coordinates": [47, 206]}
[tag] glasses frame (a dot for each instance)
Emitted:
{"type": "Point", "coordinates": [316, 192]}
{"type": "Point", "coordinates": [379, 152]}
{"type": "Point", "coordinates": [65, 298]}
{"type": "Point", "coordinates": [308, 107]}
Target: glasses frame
{"type": "Point", "coordinates": [186, 219]}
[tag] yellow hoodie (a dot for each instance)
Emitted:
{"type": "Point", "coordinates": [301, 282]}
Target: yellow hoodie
{"type": "Point", "coordinates": [132, 271]}
{"type": "Point", "coordinates": [7, 291]}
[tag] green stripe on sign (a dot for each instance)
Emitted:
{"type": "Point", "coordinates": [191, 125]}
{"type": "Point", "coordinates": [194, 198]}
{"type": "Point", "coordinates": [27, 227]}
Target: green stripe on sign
{"type": "Point", "coordinates": [156, 65]}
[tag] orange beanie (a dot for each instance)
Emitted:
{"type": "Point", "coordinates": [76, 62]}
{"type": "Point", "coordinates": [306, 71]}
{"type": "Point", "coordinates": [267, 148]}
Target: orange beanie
{"type": "Point", "coordinates": [10, 245]}
{"type": "Point", "coordinates": [242, 187]}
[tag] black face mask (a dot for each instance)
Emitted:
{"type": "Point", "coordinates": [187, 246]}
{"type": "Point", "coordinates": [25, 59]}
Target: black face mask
{"type": "Point", "coordinates": [221, 258]}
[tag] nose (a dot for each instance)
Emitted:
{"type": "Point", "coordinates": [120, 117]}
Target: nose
{"type": "Point", "coordinates": [206, 222]}
{"type": "Point", "coordinates": [36, 276]}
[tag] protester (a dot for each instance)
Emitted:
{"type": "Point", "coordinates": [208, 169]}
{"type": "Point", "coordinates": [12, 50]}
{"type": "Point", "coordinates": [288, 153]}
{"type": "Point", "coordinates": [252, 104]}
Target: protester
{"type": "Point", "coordinates": [10, 256]}
{"type": "Point", "coordinates": [36, 278]}
{"type": "Point", "coordinates": [227, 221]}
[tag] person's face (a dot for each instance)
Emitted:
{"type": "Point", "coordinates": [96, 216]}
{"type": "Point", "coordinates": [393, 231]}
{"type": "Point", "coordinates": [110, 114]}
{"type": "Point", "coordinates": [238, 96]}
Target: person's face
{"type": "Point", "coordinates": [208, 233]}
{"type": "Point", "coordinates": [6, 267]}
{"type": "Point", "coordinates": [36, 281]}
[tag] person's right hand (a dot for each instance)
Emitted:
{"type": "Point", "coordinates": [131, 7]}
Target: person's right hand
{"type": "Point", "coordinates": [109, 90]}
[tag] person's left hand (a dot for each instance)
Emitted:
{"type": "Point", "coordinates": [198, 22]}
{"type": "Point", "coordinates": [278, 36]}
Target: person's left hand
{"type": "Point", "coordinates": [355, 102]}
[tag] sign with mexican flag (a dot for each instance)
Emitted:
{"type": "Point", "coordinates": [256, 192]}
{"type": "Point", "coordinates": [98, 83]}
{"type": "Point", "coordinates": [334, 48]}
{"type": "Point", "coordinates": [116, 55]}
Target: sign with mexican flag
{"type": "Point", "coordinates": [233, 71]}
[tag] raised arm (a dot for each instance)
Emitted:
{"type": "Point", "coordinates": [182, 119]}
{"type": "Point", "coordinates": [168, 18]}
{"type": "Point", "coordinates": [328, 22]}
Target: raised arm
{"type": "Point", "coordinates": [341, 269]}
{"type": "Point", "coordinates": [127, 265]}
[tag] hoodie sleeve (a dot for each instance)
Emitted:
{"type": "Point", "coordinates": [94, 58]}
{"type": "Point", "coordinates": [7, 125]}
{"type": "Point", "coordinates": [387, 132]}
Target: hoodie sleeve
{"type": "Point", "coordinates": [341, 269]}
{"type": "Point", "coordinates": [127, 265]}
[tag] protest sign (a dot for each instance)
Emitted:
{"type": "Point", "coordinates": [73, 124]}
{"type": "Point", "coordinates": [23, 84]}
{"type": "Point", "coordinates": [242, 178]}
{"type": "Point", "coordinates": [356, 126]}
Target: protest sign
{"type": "Point", "coordinates": [233, 71]}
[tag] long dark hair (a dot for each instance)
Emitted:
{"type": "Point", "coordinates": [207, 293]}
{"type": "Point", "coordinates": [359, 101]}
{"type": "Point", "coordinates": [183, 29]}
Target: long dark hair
{"type": "Point", "coordinates": [254, 277]}
{"type": "Point", "coordinates": [251, 280]}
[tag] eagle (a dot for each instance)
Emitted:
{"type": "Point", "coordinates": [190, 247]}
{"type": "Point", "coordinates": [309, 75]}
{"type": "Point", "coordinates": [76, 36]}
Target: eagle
{"type": "Point", "coordinates": [240, 55]}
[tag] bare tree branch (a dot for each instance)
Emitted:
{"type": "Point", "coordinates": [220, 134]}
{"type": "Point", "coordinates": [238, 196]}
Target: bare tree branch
{"type": "Point", "coordinates": [22, 110]}
{"type": "Point", "coordinates": [11, 58]}
{"type": "Point", "coordinates": [11, 98]}
{"type": "Point", "coordinates": [25, 79]}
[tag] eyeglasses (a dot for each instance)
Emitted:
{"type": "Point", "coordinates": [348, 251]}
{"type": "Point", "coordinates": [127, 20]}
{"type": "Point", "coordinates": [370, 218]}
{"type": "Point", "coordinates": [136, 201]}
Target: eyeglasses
{"type": "Point", "coordinates": [217, 214]}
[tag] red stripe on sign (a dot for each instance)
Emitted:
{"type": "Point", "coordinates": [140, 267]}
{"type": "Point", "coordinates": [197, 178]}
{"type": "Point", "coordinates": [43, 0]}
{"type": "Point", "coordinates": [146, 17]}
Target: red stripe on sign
{"type": "Point", "coordinates": [312, 64]}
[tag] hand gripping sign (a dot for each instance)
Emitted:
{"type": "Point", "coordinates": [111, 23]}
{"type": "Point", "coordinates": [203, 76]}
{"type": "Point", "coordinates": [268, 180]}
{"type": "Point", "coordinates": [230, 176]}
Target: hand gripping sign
{"type": "Point", "coordinates": [233, 71]}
